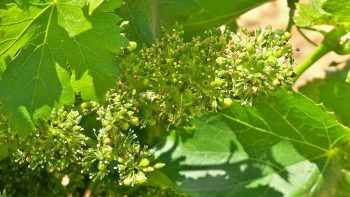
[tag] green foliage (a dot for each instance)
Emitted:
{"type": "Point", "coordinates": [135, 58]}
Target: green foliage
{"type": "Point", "coordinates": [339, 8]}
{"type": "Point", "coordinates": [53, 50]}
{"type": "Point", "coordinates": [310, 14]}
{"type": "Point", "coordinates": [322, 12]}
{"type": "Point", "coordinates": [146, 17]}
{"type": "Point", "coordinates": [332, 92]}
{"type": "Point", "coordinates": [325, 12]}
{"type": "Point", "coordinates": [282, 146]}
{"type": "Point", "coordinates": [79, 107]}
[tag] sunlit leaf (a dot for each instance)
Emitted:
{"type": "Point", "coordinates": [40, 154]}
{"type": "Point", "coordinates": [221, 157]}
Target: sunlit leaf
{"type": "Point", "coordinates": [339, 8]}
{"type": "Point", "coordinates": [52, 51]}
{"type": "Point", "coordinates": [311, 13]}
{"type": "Point", "coordinates": [282, 146]}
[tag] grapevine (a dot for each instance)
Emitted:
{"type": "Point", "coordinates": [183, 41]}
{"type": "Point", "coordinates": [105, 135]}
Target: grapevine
{"type": "Point", "coordinates": [162, 85]}
{"type": "Point", "coordinates": [170, 98]}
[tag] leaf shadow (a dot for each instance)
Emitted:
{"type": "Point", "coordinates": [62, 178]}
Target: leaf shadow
{"type": "Point", "coordinates": [216, 179]}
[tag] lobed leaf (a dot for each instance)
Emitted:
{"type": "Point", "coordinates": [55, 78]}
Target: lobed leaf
{"type": "Point", "coordinates": [283, 146]}
{"type": "Point", "coordinates": [323, 12]}
{"type": "Point", "coordinates": [310, 14]}
{"type": "Point", "coordinates": [333, 92]}
{"type": "Point", "coordinates": [327, 12]}
{"type": "Point", "coordinates": [339, 8]}
{"type": "Point", "coordinates": [50, 52]}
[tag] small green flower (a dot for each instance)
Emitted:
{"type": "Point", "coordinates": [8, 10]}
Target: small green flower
{"type": "Point", "coordinates": [140, 177]}
{"type": "Point", "coordinates": [220, 60]}
{"type": "Point", "coordinates": [101, 166]}
{"type": "Point", "coordinates": [128, 181]}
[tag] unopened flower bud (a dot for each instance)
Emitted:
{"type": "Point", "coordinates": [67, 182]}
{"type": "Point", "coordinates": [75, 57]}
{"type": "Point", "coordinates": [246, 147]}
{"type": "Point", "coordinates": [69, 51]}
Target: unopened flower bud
{"type": "Point", "coordinates": [286, 36]}
{"type": "Point", "coordinates": [144, 162]}
{"type": "Point", "coordinates": [250, 48]}
{"type": "Point", "coordinates": [132, 45]}
{"type": "Point", "coordinates": [228, 102]}
{"type": "Point", "coordinates": [148, 169]}
{"type": "Point", "coordinates": [134, 121]}
{"type": "Point", "coordinates": [159, 165]}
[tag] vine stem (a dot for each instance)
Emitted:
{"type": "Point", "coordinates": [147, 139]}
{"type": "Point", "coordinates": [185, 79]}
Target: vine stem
{"type": "Point", "coordinates": [90, 189]}
{"type": "Point", "coordinates": [315, 55]}
{"type": "Point", "coordinates": [291, 5]}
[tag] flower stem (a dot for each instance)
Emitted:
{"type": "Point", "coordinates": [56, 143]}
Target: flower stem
{"type": "Point", "coordinates": [316, 54]}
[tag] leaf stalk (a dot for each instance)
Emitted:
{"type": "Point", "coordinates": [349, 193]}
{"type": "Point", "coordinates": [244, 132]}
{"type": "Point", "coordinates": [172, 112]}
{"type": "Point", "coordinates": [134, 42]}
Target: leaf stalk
{"type": "Point", "coordinates": [315, 55]}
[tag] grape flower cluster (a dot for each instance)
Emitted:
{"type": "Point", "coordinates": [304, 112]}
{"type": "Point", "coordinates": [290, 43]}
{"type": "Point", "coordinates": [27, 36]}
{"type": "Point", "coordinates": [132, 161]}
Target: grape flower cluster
{"type": "Point", "coordinates": [169, 82]}
{"type": "Point", "coordinates": [56, 144]}
{"type": "Point", "coordinates": [113, 148]}
{"type": "Point", "coordinates": [117, 148]}
{"type": "Point", "coordinates": [175, 80]}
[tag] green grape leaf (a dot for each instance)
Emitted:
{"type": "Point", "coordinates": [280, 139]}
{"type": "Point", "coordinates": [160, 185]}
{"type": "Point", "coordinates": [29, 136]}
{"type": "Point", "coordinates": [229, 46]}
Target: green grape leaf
{"type": "Point", "coordinates": [282, 146]}
{"type": "Point", "coordinates": [310, 14]}
{"type": "Point", "coordinates": [104, 5]}
{"type": "Point", "coordinates": [147, 16]}
{"type": "Point", "coordinates": [53, 51]}
{"type": "Point", "coordinates": [21, 3]}
{"type": "Point", "coordinates": [69, 15]}
{"type": "Point", "coordinates": [93, 4]}
{"type": "Point", "coordinates": [333, 92]}
{"type": "Point", "coordinates": [316, 13]}
{"type": "Point", "coordinates": [211, 14]}
{"type": "Point", "coordinates": [144, 20]}
{"type": "Point", "coordinates": [339, 8]}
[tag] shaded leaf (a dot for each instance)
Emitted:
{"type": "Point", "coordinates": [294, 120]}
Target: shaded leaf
{"type": "Point", "coordinates": [211, 14]}
{"type": "Point", "coordinates": [93, 4]}
{"type": "Point", "coordinates": [333, 92]}
{"type": "Point", "coordinates": [144, 20]}
{"type": "Point", "coordinates": [147, 16]}
{"type": "Point", "coordinates": [283, 146]}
